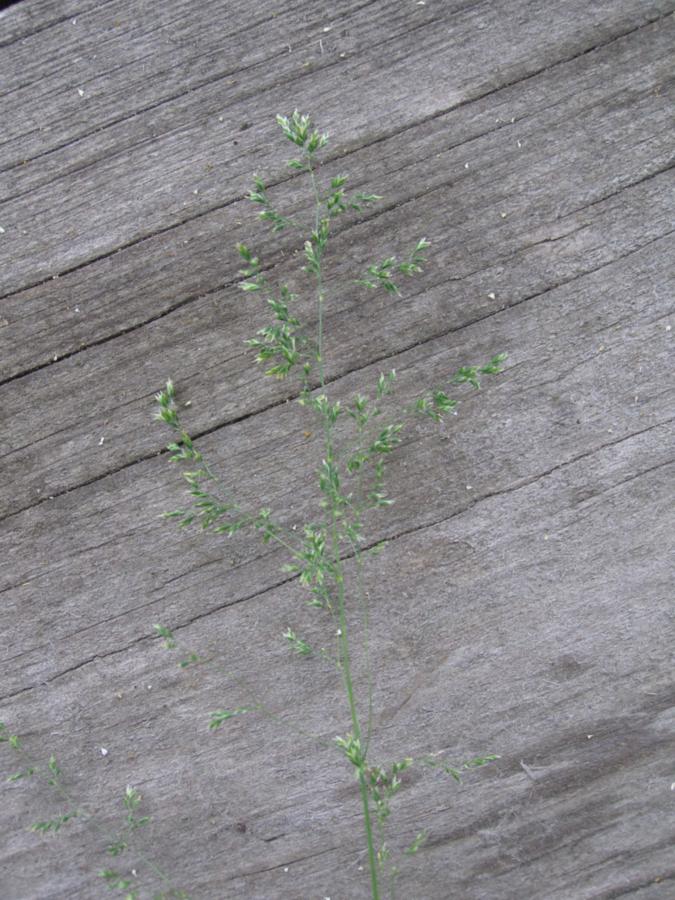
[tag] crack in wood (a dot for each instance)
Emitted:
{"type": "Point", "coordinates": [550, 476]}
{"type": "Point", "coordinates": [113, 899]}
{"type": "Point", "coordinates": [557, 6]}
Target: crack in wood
{"type": "Point", "coordinates": [282, 865]}
{"type": "Point", "coordinates": [241, 98]}
{"type": "Point", "coordinates": [53, 24]}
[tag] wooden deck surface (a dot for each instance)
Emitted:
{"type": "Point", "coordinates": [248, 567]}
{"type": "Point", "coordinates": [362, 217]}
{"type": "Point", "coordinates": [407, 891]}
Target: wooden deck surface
{"type": "Point", "coordinates": [523, 604]}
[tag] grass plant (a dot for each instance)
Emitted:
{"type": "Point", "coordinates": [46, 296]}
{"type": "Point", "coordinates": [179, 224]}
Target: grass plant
{"type": "Point", "coordinates": [359, 437]}
{"type": "Point", "coordinates": [351, 473]}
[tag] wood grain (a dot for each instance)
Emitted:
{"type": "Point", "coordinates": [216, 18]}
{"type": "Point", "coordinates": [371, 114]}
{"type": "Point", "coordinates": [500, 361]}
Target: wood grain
{"type": "Point", "coordinates": [523, 603]}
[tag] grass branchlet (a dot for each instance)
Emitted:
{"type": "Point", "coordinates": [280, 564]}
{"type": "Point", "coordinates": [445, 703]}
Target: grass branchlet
{"type": "Point", "coordinates": [145, 879]}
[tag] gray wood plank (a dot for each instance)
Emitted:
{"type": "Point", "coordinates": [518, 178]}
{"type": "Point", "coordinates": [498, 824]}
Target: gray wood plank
{"type": "Point", "coordinates": [128, 195]}
{"type": "Point", "coordinates": [592, 726]}
{"type": "Point", "coordinates": [552, 233]}
{"type": "Point", "coordinates": [565, 397]}
{"type": "Point", "coordinates": [29, 18]}
{"type": "Point", "coordinates": [120, 292]}
{"type": "Point", "coordinates": [135, 58]}
{"type": "Point", "coordinates": [523, 602]}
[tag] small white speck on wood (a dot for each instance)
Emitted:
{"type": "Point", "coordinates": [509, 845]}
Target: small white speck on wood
{"type": "Point", "coordinates": [531, 774]}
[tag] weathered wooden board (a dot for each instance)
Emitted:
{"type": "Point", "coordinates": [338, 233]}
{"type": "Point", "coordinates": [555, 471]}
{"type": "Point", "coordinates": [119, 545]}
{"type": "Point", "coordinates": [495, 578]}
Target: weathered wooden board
{"type": "Point", "coordinates": [605, 221]}
{"type": "Point", "coordinates": [28, 19]}
{"type": "Point", "coordinates": [151, 185]}
{"type": "Point", "coordinates": [549, 372]}
{"type": "Point", "coordinates": [120, 292]}
{"type": "Point", "coordinates": [524, 602]}
{"type": "Point", "coordinates": [527, 665]}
